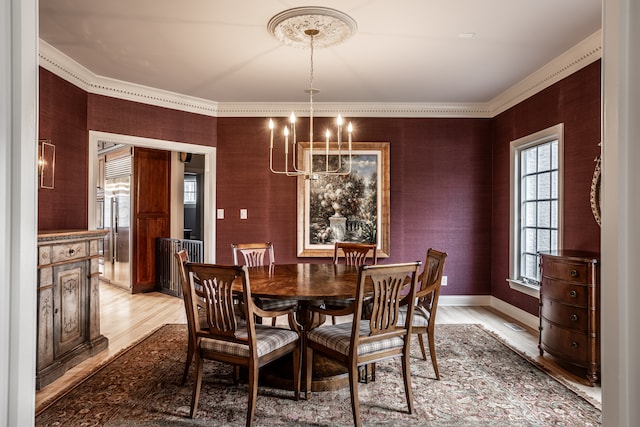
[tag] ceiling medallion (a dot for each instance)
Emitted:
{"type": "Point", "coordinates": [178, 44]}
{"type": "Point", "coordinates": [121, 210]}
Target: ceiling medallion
{"type": "Point", "coordinates": [291, 26]}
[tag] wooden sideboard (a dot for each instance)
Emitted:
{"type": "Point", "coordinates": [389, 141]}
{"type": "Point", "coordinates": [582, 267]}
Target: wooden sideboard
{"type": "Point", "coordinates": [570, 309]}
{"type": "Point", "coordinates": [68, 302]}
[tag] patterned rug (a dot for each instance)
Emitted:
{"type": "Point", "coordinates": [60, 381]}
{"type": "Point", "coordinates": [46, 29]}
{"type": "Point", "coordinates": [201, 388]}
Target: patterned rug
{"type": "Point", "coordinates": [483, 383]}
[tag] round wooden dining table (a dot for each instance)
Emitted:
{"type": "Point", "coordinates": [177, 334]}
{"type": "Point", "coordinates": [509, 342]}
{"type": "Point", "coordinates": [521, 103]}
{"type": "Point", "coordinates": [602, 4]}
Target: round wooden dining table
{"type": "Point", "coordinates": [309, 284]}
{"type": "Point", "coordinates": [303, 281]}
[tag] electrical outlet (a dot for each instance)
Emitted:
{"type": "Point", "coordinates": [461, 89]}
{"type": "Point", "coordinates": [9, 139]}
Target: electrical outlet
{"type": "Point", "coordinates": [444, 281]}
{"type": "Point", "coordinates": [220, 213]}
{"type": "Point", "coordinates": [243, 214]}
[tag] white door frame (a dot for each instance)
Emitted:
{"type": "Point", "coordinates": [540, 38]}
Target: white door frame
{"type": "Point", "coordinates": [159, 144]}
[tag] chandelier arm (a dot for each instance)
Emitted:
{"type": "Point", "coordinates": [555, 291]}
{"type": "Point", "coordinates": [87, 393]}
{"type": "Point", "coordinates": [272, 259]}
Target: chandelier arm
{"type": "Point", "coordinates": [294, 150]}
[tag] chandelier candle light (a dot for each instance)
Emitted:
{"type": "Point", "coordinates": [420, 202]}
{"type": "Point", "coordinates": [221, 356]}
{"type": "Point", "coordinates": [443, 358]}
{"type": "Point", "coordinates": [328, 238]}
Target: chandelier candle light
{"type": "Point", "coordinates": [298, 27]}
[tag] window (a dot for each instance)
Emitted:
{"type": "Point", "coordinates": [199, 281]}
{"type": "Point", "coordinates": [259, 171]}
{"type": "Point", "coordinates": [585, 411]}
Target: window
{"type": "Point", "coordinates": [190, 190]}
{"type": "Point", "coordinates": [536, 204]}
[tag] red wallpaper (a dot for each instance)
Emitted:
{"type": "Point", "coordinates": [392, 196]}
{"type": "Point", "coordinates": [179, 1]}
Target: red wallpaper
{"type": "Point", "coordinates": [440, 190]}
{"type": "Point", "coordinates": [63, 120]}
{"type": "Point", "coordinates": [114, 115]}
{"type": "Point", "coordinates": [67, 113]}
{"type": "Point", "coordinates": [449, 177]}
{"type": "Point", "coordinates": [574, 101]}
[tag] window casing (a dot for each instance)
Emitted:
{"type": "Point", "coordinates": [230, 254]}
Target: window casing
{"type": "Point", "coordinates": [190, 189]}
{"type": "Point", "coordinates": [536, 204]}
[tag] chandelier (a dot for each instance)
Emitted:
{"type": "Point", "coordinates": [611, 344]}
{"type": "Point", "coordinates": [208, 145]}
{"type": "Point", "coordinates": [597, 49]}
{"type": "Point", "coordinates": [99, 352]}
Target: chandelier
{"type": "Point", "coordinates": [312, 27]}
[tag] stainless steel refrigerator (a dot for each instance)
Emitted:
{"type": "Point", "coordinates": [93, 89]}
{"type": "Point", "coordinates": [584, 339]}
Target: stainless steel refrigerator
{"type": "Point", "coordinates": [117, 242]}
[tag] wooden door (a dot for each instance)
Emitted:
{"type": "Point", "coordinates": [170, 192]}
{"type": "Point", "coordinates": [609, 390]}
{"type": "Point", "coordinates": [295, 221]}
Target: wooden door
{"type": "Point", "coordinates": [151, 213]}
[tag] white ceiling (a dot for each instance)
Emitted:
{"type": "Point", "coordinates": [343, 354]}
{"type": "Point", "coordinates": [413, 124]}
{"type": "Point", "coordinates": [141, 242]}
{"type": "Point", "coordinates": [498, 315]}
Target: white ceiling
{"type": "Point", "coordinates": [403, 51]}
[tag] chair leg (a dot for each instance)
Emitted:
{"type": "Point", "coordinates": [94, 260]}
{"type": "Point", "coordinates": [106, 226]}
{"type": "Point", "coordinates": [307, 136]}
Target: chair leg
{"type": "Point", "coordinates": [187, 363]}
{"type": "Point", "coordinates": [432, 352]}
{"type": "Point", "coordinates": [197, 383]}
{"type": "Point", "coordinates": [421, 341]}
{"type": "Point", "coordinates": [308, 372]}
{"type": "Point", "coordinates": [253, 393]}
{"type": "Point", "coordinates": [406, 373]}
{"type": "Point", "coordinates": [236, 374]}
{"type": "Point", "coordinates": [355, 401]}
{"type": "Point", "coordinates": [273, 321]}
{"type": "Point", "coordinates": [296, 372]}
{"type": "Point", "coordinates": [367, 373]}
{"type": "Point", "coordinates": [333, 320]}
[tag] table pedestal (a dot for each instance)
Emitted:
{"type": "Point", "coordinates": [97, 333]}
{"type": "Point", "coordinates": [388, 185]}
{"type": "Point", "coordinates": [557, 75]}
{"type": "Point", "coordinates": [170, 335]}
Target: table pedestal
{"type": "Point", "coordinates": [327, 375]}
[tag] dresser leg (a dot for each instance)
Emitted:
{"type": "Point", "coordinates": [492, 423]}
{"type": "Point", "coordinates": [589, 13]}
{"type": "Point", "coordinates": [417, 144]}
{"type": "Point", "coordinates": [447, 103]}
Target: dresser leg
{"type": "Point", "coordinates": [592, 375]}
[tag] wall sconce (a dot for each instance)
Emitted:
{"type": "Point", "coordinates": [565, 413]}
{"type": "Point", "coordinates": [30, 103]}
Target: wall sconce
{"type": "Point", "coordinates": [46, 163]}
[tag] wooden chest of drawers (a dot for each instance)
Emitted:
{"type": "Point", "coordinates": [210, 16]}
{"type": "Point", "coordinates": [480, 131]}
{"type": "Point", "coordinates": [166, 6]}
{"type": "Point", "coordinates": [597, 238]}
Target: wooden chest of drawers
{"type": "Point", "coordinates": [570, 309]}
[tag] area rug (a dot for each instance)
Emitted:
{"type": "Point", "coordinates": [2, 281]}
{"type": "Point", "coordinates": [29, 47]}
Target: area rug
{"type": "Point", "coordinates": [482, 383]}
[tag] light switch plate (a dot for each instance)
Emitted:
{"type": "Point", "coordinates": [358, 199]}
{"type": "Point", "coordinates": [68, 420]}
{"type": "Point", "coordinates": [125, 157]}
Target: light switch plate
{"type": "Point", "coordinates": [220, 214]}
{"type": "Point", "coordinates": [243, 214]}
{"type": "Point", "coordinates": [444, 281]}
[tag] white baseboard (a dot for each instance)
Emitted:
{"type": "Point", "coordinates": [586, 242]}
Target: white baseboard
{"type": "Point", "coordinates": [465, 300]}
{"type": "Point", "coordinates": [512, 311]}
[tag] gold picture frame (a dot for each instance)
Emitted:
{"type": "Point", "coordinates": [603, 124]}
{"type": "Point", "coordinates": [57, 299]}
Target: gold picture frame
{"type": "Point", "coordinates": [353, 208]}
{"type": "Point", "coordinates": [46, 163]}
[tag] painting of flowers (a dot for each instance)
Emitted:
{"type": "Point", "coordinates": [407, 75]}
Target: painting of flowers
{"type": "Point", "coordinates": [351, 207]}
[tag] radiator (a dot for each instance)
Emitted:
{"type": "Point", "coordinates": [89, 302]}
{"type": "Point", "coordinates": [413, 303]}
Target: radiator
{"type": "Point", "coordinates": [167, 270]}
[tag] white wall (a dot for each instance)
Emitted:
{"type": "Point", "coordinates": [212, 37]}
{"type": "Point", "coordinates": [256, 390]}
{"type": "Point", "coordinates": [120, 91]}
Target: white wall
{"type": "Point", "coordinates": [620, 291]}
{"type": "Point", "coordinates": [18, 209]}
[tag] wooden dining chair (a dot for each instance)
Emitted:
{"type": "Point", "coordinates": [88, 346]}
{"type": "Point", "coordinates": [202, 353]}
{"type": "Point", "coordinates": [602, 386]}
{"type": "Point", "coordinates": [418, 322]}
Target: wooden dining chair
{"type": "Point", "coordinates": [365, 341]}
{"type": "Point", "coordinates": [225, 338]}
{"type": "Point", "coordinates": [426, 301]}
{"type": "Point", "coordinates": [253, 254]}
{"type": "Point", "coordinates": [354, 254]}
{"type": "Point", "coordinates": [257, 255]}
{"type": "Point", "coordinates": [182, 258]}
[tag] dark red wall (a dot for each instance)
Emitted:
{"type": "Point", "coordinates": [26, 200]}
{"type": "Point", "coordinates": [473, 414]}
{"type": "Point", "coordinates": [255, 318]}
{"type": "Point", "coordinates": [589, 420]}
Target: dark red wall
{"type": "Point", "coordinates": [63, 120]}
{"type": "Point", "coordinates": [574, 101]}
{"type": "Point", "coordinates": [440, 190]}
{"type": "Point", "coordinates": [114, 115]}
{"type": "Point", "coordinates": [449, 177]}
{"type": "Point", "coordinates": [67, 113]}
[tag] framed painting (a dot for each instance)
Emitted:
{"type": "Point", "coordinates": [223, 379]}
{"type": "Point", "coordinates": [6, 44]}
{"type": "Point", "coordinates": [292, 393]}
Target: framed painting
{"type": "Point", "coordinates": [350, 208]}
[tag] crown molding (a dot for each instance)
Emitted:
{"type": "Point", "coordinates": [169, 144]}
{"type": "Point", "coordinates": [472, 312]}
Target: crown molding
{"type": "Point", "coordinates": [66, 68]}
{"type": "Point", "coordinates": [362, 109]}
{"type": "Point", "coordinates": [581, 55]}
{"type": "Point", "coordinates": [584, 53]}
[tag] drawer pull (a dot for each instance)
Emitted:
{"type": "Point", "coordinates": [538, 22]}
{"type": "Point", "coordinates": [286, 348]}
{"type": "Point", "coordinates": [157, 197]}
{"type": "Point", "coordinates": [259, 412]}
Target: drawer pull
{"type": "Point", "coordinates": [574, 317]}
{"type": "Point", "coordinates": [574, 273]}
{"type": "Point", "coordinates": [71, 251]}
{"type": "Point", "coordinates": [573, 294]}
{"type": "Point", "coordinates": [574, 344]}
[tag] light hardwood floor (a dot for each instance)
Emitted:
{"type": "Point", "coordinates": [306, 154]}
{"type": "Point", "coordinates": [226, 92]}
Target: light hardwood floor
{"type": "Point", "coordinates": [126, 319]}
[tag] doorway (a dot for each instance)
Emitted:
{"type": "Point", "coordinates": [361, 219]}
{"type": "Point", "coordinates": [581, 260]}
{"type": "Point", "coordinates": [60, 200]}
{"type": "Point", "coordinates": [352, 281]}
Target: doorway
{"type": "Point", "coordinates": [208, 182]}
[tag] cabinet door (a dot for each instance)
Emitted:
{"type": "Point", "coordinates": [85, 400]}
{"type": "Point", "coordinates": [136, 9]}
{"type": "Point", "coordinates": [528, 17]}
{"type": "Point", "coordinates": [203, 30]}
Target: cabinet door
{"type": "Point", "coordinates": [70, 307]}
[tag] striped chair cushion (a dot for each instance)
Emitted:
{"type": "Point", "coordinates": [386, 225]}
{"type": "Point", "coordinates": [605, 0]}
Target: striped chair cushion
{"type": "Point", "coordinates": [268, 339]}
{"type": "Point", "coordinates": [420, 316]}
{"type": "Point", "coordinates": [338, 338]}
